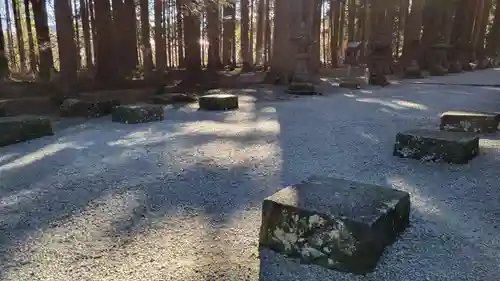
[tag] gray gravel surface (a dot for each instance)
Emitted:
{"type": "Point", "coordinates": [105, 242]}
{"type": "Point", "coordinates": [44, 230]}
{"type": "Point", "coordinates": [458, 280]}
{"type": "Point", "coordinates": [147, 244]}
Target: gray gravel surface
{"type": "Point", "coordinates": [181, 199]}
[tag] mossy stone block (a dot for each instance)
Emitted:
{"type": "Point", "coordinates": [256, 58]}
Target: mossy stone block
{"type": "Point", "coordinates": [429, 145]}
{"type": "Point", "coordinates": [174, 98]}
{"type": "Point", "coordinates": [473, 122]}
{"type": "Point", "coordinates": [87, 108]}
{"type": "Point", "coordinates": [135, 114]}
{"type": "Point", "coordinates": [334, 223]}
{"type": "Point", "coordinates": [218, 101]}
{"type": "Point", "coordinates": [23, 128]}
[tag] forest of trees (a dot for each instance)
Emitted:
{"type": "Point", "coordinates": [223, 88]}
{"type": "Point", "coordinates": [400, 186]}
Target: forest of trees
{"type": "Point", "coordinates": [113, 40]}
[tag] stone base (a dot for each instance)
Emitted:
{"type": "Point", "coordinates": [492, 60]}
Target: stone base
{"type": "Point", "coordinates": [455, 67]}
{"type": "Point", "coordinates": [437, 71]}
{"type": "Point", "coordinates": [412, 72]}
{"type": "Point", "coordinates": [134, 114]}
{"type": "Point", "coordinates": [86, 108]}
{"type": "Point", "coordinates": [216, 100]}
{"type": "Point", "coordinates": [473, 122]}
{"type": "Point", "coordinates": [378, 80]}
{"type": "Point", "coordinates": [174, 98]}
{"type": "Point", "coordinates": [23, 128]}
{"type": "Point", "coordinates": [428, 145]}
{"type": "Point", "coordinates": [301, 88]}
{"type": "Point", "coordinates": [353, 84]}
{"type": "Point", "coordinates": [334, 223]}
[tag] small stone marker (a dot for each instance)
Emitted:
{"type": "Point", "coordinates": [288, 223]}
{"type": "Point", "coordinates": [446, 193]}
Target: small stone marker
{"type": "Point", "coordinates": [474, 122]}
{"type": "Point", "coordinates": [218, 101]}
{"type": "Point", "coordinates": [23, 128]}
{"type": "Point", "coordinates": [86, 108]}
{"type": "Point", "coordinates": [135, 114]}
{"type": "Point", "coordinates": [429, 145]}
{"type": "Point", "coordinates": [334, 223]}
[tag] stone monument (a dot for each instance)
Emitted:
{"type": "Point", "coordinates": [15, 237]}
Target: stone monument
{"type": "Point", "coordinates": [377, 62]}
{"type": "Point", "coordinates": [302, 83]}
{"type": "Point", "coordinates": [352, 59]}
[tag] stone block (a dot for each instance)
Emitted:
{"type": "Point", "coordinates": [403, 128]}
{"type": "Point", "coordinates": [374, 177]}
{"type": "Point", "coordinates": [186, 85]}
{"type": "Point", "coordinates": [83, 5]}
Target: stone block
{"type": "Point", "coordinates": [216, 100]}
{"type": "Point", "coordinates": [23, 128]}
{"type": "Point", "coordinates": [473, 122]}
{"type": "Point", "coordinates": [174, 98]}
{"type": "Point", "coordinates": [429, 145]}
{"type": "Point", "coordinates": [412, 72]}
{"type": "Point", "coordinates": [301, 88]}
{"type": "Point", "coordinates": [455, 67]}
{"type": "Point", "coordinates": [334, 223]}
{"type": "Point", "coordinates": [87, 108]}
{"type": "Point", "coordinates": [352, 84]}
{"type": "Point", "coordinates": [135, 114]}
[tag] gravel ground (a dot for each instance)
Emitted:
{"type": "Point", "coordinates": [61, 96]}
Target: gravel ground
{"type": "Point", "coordinates": [180, 199]}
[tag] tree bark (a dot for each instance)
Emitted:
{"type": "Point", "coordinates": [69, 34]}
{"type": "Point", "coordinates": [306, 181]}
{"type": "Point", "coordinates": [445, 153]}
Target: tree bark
{"type": "Point", "coordinates": [4, 63]}
{"type": "Point", "coordinates": [145, 37]}
{"type": "Point", "coordinates": [493, 38]}
{"type": "Point", "coordinates": [131, 60]}
{"type": "Point", "coordinates": [160, 48]}
{"type": "Point", "coordinates": [261, 19]}
{"type": "Point", "coordinates": [213, 30]}
{"type": "Point", "coordinates": [10, 39]}
{"type": "Point", "coordinates": [413, 29]}
{"type": "Point", "coordinates": [106, 64]}
{"type": "Point", "coordinates": [351, 20]}
{"type": "Point", "coordinates": [192, 38]}
{"type": "Point", "coordinates": [334, 32]}
{"type": "Point", "coordinates": [281, 63]}
{"type": "Point", "coordinates": [267, 35]}
{"type": "Point", "coordinates": [66, 43]}
{"type": "Point", "coordinates": [43, 38]}
{"type": "Point", "coordinates": [31, 43]}
{"type": "Point", "coordinates": [245, 44]}
{"type": "Point", "coordinates": [19, 35]}
{"type": "Point", "coordinates": [84, 14]}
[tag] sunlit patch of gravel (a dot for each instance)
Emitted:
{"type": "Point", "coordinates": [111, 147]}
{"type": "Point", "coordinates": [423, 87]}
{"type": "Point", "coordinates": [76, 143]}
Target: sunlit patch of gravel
{"type": "Point", "coordinates": [181, 199]}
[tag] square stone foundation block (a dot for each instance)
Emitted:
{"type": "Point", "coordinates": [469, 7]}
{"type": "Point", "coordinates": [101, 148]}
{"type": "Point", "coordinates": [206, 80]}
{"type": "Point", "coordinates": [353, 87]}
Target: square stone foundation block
{"type": "Point", "coordinates": [474, 122]}
{"type": "Point", "coordinates": [86, 108]}
{"type": "Point", "coordinates": [134, 114]}
{"type": "Point", "coordinates": [218, 101]}
{"type": "Point", "coordinates": [352, 84]}
{"type": "Point", "coordinates": [302, 88]}
{"type": "Point", "coordinates": [428, 145]}
{"type": "Point", "coordinates": [23, 128]}
{"type": "Point", "coordinates": [334, 223]}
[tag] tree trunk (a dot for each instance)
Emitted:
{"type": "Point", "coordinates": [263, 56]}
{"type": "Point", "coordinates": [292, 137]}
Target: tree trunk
{"type": "Point", "coordinates": [19, 35]}
{"type": "Point", "coordinates": [245, 44]}
{"type": "Point", "coordinates": [228, 33]}
{"type": "Point", "coordinates": [31, 43]}
{"type": "Point", "coordinates": [192, 39]}
{"type": "Point", "coordinates": [77, 35]}
{"type": "Point", "coordinates": [43, 38]}
{"type": "Point", "coordinates": [334, 32]}
{"type": "Point", "coordinates": [106, 63]}
{"type": "Point", "coordinates": [413, 29]}
{"type": "Point", "coordinates": [267, 35]}
{"type": "Point", "coordinates": [145, 37]}
{"type": "Point", "coordinates": [84, 14]}
{"type": "Point", "coordinates": [483, 24]}
{"type": "Point", "coordinates": [493, 38]}
{"type": "Point", "coordinates": [12, 54]}
{"type": "Point", "coordinates": [160, 48]}
{"type": "Point", "coordinates": [66, 43]}
{"type": "Point", "coordinates": [167, 29]}
{"type": "Point", "coordinates": [261, 19]}
{"type": "Point", "coordinates": [213, 30]}
{"type": "Point", "coordinates": [180, 33]}
{"type": "Point", "coordinates": [4, 63]}
{"type": "Point", "coordinates": [281, 63]}
{"type": "Point", "coordinates": [351, 20]}
{"type": "Point", "coordinates": [131, 60]}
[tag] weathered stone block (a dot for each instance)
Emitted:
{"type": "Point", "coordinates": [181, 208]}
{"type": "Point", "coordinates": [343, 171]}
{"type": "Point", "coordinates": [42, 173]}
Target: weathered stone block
{"type": "Point", "coordinates": [352, 84]}
{"type": "Point", "coordinates": [173, 98]}
{"type": "Point", "coordinates": [218, 101]}
{"type": "Point", "coordinates": [334, 223]}
{"type": "Point", "coordinates": [23, 128]}
{"type": "Point", "coordinates": [437, 71]}
{"type": "Point", "coordinates": [474, 122]}
{"type": "Point", "coordinates": [87, 108]}
{"type": "Point", "coordinates": [430, 145]}
{"type": "Point", "coordinates": [134, 114]}
{"type": "Point", "coordinates": [412, 72]}
{"type": "Point", "coordinates": [454, 67]}
{"type": "Point", "coordinates": [301, 88]}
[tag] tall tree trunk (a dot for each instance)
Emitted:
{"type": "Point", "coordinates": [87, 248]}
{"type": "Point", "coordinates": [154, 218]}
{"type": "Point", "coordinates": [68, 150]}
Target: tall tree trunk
{"type": "Point", "coordinates": [493, 38]}
{"type": "Point", "coordinates": [93, 25]}
{"type": "Point", "coordinates": [180, 32]}
{"type": "Point", "coordinates": [483, 24]}
{"type": "Point", "coordinates": [119, 21]}
{"type": "Point", "coordinates": [43, 38]}
{"type": "Point", "coordinates": [267, 35]}
{"type": "Point", "coordinates": [213, 28]}
{"type": "Point", "coordinates": [31, 43]}
{"type": "Point", "coordinates": [130, 29]}
{"type": "Point", "coordinates": [192, 39]}
{"type": "Point", "coordinates": [281, 64]}
{"type": "Point", "coordinates": [106, 63]}
{"type": "Point", "coordinates": [351, 20]}
{"type": "Point", "coordinates": [160, 48]}
{"type": "Point", "coordinates": [19, 34]}
{"type": "Point", "coordinates": [261, 19]}
{"type": "Point", "coordinates": [77, 36]}
{"type": "Point", "coordinates": [145, 36]}
{"type": "Point", "coordinates": [227, 36]}
{"type": "Point", "coordinates": [4, 63]}
{"type": "Point", "coordinates": [10, 39]}
{"type": "Point", "coordinates": [245, 44]}
{"type": "Point", "coordinates": [413, 28]}
{"type": "Point", "coordinates": [84, 14]}
{"type": "Point", "coordinates": [66, 43]}
{"type": "Point", "coordinates": [167, 29]}
{"type": "Point", "coordinates": [334, 32]}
